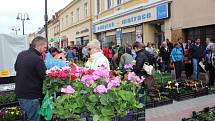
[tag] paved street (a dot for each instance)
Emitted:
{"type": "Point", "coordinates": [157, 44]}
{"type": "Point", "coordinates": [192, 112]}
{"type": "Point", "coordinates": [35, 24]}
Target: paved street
{"type": "Point", "coordinates": [179, 110]}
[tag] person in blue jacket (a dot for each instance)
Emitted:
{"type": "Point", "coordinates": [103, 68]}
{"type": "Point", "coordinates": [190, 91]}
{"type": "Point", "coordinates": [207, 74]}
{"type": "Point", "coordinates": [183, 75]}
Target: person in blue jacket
{"type": "Point", "coordinates": [177, 57]}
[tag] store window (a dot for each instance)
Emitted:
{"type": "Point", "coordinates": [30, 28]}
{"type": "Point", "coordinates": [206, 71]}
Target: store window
{"type": "Point", "coordinates": [128, 38]}
{"type": "Point", "coordinates": [201, 32]}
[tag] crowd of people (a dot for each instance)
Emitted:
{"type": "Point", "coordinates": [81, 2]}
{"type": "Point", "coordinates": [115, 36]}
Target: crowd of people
{"type": "Point", "coordinates": [188, 56]}
{"type": "Point", "coordinates": [31, 64]}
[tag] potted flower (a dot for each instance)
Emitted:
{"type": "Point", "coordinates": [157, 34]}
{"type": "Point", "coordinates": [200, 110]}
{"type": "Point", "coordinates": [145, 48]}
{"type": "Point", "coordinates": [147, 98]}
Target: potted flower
{"type": "Point", "coordinates": [96, 94]}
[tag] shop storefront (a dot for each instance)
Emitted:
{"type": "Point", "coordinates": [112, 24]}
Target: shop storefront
{"type": "Point", "coordinates": [143, 24]}
{"type": "Point", "coordinates": [196, 20]}
{"type": "Point", "coordinates": [82, 37]}
{"type": "Point", "coordinates": [201, 32]}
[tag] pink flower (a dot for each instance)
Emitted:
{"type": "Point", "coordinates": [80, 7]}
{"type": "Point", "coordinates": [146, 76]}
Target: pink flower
{"type": "Point", "coordinates": [114, 83]}
{"type": "Point", "coordinates": [107, 80]}
{"type": "Point", "coordinates": [87, 80]}
{"type": "Point", "coordinates": [128, 66]}
{"type": "Point", "coordinates": [135, 79]}
{"type": "Point", "coordinates": [68, 90]}
{"type": "Point", "coordinates": [101, 72]}
{"type": "Point", "coordinates": [100, 89]}
{"type": "Point", "coordinates": [131, 75]}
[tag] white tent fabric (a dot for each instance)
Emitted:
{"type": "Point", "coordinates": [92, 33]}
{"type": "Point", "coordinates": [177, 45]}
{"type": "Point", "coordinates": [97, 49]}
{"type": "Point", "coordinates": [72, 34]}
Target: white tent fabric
{"type": "Point", "coordinates": [10, 47]}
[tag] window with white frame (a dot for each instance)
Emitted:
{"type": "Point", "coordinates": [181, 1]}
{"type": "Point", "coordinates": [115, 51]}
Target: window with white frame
{"type": "Point", "coordinates": [108, 4]}
{"type": "Point", "coordinates": [97, 6]}
{"type": "Point", "coordinates": [67, 20]}
{"type": "Point", "coordinates": [71, 17]}
{"type": "Point", "coordinates": [58, 28]}
{"type": "Point", "coordinates": [55, 30]}
{"type": "Point", "coordinates": [119, 2]}
{"type": "Point", "coordinates": [62, 23]}
{"type": "Point", "coordinates": [85, 9]}
{"type": "Point", "coordinates": [78, 14]}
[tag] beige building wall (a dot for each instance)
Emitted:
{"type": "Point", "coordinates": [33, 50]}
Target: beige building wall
{"type": "Point", "coordinates": [50, 30]}
{"type": "Point", "coordinates": [192, 13]}
{"type": "Point", "coordinates": [168, 29]}
{"type": "Point", "coordinates": [148, 33]}
{"type": "Point", "coordinates": [125, 4]}
{"type": "Point", "coordinates": [74, 19]}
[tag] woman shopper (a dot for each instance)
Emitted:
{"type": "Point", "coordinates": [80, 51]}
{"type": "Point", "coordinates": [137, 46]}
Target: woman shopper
{"type": "Point", "coordinates": [97, 57]}
{"type": "Point", "coordinates": [177, 57]}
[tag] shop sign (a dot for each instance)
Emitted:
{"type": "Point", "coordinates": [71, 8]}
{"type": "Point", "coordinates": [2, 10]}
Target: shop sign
{"type": "Point", "coordinates": [162, 11]}
{"type": "Point", "coordinates": [151, 14]}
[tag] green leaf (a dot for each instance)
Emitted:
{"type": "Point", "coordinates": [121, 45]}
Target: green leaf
{"type": "Point", "coordinates": [107, 111]}
{"type": "Point", "coordinates": [104, 118]}
{"type": "Point", "coordinates": [140, 105]}
{"type": "Point", "coordinates": [93, 98]}
{"type": "Point", "coordinates": [104, 99]}
{"type": "Point", "coordinates": [95, 117]}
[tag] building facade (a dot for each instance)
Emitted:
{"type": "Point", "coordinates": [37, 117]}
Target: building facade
{"type": "Point", "coordinates": [76, 21]}
{"type": "Point", "coordinates": [193, 19]}
{"type": "Point", "coordinates": [124, 21]}
{"type": "Point", "coordinates": [55, 39]}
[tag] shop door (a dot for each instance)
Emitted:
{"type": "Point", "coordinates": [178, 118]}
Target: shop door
{"type": "Point", "coordinates": [159, 35]}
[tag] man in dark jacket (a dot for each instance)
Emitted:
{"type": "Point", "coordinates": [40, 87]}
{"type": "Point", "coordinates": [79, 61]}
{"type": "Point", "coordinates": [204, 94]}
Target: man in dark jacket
{"type": "Point", "coordinates": [141, 58]}
{"type": "Point", "coordinates": [165, 56]}
{"type": "Point", "coordinates": [30, 73]}
{"type": "Point", "coordinates": [197, 55]}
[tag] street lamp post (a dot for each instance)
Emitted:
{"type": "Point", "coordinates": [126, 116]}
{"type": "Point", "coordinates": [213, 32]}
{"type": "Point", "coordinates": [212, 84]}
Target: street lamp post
{"type": "Point", "coordinates": [46, 20]}
{"type": "Point", "coordinates": [23, 17]}
{"type": "Point", "coordinates": [15, 29]}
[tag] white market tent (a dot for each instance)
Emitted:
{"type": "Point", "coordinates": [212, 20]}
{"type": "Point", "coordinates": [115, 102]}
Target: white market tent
{"type": "Point", "coordinates": [10, 47]}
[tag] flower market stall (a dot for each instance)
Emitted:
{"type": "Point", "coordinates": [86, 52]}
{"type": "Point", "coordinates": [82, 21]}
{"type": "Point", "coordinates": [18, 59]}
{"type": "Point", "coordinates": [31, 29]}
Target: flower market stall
{"type": "Point", "coordinates": [83, 94]}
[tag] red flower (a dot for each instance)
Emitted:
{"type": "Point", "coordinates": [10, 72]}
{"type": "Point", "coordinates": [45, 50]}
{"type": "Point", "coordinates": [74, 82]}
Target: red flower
{"type": "Point", "coordinates": [90, 71]}
{"type": "Point", "coordinates": [73, 77]}
{"type": "Point", "coordinates": [53, 74]}
{"type": "Point", "coordinates": [63, 75]}
{"type": "Point", "coordinates": [112, 74]}
{"type": "Point", "coordinates": [73, 70]}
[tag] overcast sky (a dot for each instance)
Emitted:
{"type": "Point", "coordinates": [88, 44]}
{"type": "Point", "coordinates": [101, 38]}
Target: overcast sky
{"type": "Point", "coordinates": [35, 8]}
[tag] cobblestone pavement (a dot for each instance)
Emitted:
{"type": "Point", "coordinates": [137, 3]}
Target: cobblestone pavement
{"type": "Point", "coordinates": [179, 110]}
{"type": "Point", "coordinates": [182, 109]}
